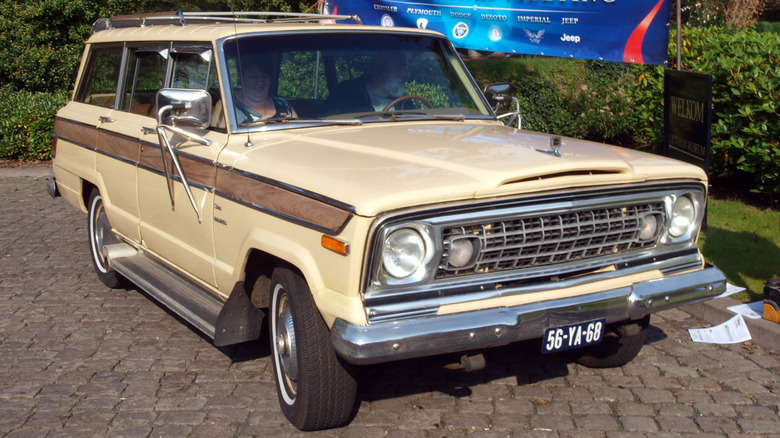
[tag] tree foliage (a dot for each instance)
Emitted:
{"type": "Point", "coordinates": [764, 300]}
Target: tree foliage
{"type": "Point", "coordinates": [41, 41]}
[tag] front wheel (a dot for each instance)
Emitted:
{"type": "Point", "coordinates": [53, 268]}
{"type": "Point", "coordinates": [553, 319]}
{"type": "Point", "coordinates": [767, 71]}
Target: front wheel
{"type": "Point", "coordinates": [620, 346]}
{"type": "Point", "coordinates": [315, 388]}
{"type": "Point", "coordinates": [100, 235]}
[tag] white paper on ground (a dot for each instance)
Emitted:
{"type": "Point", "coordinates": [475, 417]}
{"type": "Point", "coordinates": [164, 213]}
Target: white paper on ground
{"type": "Point", "coordinates": [730, 290]}
{"type": "Point", "coordinates": [732, 331]}
{"type": "Point", "coordinates": [754, 310]}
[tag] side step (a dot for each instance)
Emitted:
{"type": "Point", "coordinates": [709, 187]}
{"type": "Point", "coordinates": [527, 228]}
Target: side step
{"type": "Point", "coordinates": [186, 299]}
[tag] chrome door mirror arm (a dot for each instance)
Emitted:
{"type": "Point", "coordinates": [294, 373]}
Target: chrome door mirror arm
{"type": "Point", "coordinates": [165, 144]}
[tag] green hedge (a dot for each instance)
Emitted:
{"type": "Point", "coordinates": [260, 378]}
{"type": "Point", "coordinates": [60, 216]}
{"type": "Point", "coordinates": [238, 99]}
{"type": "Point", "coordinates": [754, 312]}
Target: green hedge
{"type": "Point", "coordinates": [26, 120]}
{"type": "Point", "coordinates": [745, 65]}
{"type": "Point", "coordinates": [570, 97]}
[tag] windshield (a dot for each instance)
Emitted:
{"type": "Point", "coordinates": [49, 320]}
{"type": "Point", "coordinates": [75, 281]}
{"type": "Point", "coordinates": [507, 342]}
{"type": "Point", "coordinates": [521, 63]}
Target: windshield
{"type": "Point", "coordinates": [340, 76]}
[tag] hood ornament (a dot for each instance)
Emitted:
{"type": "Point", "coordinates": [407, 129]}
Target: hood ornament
{"type": "Point", "coordinates": [555, 147]}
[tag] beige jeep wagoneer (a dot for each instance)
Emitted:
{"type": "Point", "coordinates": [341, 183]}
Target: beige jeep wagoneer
{"type": "Point", "coordinates": [353, 187]}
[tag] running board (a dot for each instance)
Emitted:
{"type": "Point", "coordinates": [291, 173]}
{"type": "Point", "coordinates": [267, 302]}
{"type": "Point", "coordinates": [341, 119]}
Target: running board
{"type": "Point", "coordinates": [184, 298]}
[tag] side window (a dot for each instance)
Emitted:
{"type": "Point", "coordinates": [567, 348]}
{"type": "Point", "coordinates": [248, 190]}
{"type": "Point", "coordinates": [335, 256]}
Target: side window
{"type": "Point", "coordinates": [145, 75]}
{"type": "Point", "coordinates": [194, 68]}
{"type": "Point", "coordinates": [191, 70]}
{"type": "Point", "coordinates": [98, 86]}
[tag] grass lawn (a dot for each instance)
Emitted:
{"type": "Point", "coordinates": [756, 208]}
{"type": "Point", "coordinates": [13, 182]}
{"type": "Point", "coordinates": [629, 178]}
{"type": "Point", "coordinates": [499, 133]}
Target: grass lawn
{"type": "Point", "coordinates": [744, 242]}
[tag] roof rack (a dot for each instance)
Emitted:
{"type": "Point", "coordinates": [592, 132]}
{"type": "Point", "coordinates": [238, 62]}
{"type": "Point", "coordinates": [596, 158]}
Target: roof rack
{"type": "Point", "coordinates": [180, 18]}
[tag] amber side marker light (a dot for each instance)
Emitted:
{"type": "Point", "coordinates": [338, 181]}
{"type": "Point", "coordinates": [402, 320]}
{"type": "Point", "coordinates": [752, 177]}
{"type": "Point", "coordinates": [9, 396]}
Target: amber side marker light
{"type": "Point", "coordinates": [335, 245]}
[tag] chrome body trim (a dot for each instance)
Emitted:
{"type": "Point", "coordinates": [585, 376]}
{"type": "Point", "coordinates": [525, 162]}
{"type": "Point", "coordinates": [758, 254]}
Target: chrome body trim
{"type": "Point", "coordinates": [431, 335]}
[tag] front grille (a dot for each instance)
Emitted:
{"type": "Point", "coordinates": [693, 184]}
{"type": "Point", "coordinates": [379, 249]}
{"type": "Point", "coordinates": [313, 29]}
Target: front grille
{"type": "Point", "coordinates": [516, 243]}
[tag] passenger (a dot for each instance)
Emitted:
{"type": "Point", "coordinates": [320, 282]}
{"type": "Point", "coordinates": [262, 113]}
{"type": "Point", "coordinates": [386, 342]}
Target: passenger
{"type": "Point", "coordinates": [253, 101]}
{"type": "Point", "coordinates": [385, 81]}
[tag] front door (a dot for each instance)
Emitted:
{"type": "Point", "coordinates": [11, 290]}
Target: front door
{"type": "Point", "coordinates": [171, 226]}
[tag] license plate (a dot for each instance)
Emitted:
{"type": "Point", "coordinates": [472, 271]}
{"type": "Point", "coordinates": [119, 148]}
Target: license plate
{"type": "Point", "coordinates": [572, 336]}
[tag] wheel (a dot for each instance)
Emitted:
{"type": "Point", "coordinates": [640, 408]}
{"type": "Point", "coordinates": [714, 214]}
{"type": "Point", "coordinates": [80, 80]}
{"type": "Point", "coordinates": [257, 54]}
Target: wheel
{"type": "Point", "coordinates": [315, 387]}
{"type": "Point", "coordinates": [407, 97]}
{"type": "Point", "coordinates": [100, 235]}
{"type": "Point", "coordinates": [620, 346]}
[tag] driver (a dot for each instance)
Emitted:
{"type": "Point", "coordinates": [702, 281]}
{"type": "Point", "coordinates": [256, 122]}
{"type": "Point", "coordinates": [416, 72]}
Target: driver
{"type": "Point", "coordinates": [385, 81]}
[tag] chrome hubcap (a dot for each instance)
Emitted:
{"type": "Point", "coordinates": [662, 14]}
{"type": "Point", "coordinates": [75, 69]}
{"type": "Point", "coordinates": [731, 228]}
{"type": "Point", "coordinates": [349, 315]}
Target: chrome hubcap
{"type": "Point", "coordinates": [286, 352]}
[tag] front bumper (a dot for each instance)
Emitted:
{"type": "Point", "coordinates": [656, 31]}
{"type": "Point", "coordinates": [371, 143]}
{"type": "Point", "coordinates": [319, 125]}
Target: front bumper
{"type": "Point", "coordinates": [432, 335]}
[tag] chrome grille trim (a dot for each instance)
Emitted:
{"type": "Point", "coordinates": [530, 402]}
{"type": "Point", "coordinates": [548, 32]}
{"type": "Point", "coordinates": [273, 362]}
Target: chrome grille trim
{"type": "Point", "coordinates": [549, 239]}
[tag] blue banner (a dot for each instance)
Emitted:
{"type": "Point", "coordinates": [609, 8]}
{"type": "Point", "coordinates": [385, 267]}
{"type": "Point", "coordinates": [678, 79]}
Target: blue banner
{"type": "Point", "coordinates": [635, 31]}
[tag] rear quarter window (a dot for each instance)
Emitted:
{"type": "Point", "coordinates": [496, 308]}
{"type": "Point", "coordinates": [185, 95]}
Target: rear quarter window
{"type": "Point", "coordinates": [100, 78]}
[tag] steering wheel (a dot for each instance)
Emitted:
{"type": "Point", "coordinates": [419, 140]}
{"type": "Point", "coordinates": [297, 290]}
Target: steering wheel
{"type": "Point", "coordinates": [407, 97]}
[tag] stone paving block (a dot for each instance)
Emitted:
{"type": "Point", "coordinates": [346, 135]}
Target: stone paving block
{"type": "Point", "coordinates": [718, 425]}
{"type": "Point", "coordinates": [732, 398]}
{"type": "Point", "coordinates": [610, 394]}
{"type": "Point", "coordinates": [129, 432]}
{"type": "Point", "coordinates": [633, 409]}
{"type": "Point", "coordinates": [678, 424]}
{"type": "Point", "coordinates": [180, 403]}
{"type": "Point", "coordinates": [514, 407]}
{"type": "Point", "coordinates": [600, 423]}
{"type": "Point", "coordinates": [466, 420]}
{"type": "Point", "coordinates": [132, 419]}
{"type": "Point", "coordinates": [653, 395]}
{"type": "Point", "coordinates": [552, 422]}
{"type": "Point", "coordinates": [638, 424]}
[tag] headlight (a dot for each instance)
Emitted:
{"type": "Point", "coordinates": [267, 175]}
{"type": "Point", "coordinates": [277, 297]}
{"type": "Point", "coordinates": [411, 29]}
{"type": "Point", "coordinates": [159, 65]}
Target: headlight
{"type": "Point", "coordinates": [683, 216]}
{"type": "Point", "coordinates": [403, 253]}
{"type": "Point", "coordinates": [461, 252]}
{"type": "Point", "coordinates": [649, 227]}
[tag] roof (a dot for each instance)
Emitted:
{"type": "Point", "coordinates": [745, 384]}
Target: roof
{"type": "Point", "coordinates": [205, 26]}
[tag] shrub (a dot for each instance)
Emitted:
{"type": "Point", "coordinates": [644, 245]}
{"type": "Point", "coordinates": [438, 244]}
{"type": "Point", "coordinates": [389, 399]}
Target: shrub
{"type": "Point", "coordinates": [26, 122]}
{"type": "Point", "coordinates": [568, 97]}
{"type": "Point", "coordinates": [745, 65]}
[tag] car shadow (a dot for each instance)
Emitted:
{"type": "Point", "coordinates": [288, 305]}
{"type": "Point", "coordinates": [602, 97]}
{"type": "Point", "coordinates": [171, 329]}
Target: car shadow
{"type": "Point", "coordinates": [521, 363]}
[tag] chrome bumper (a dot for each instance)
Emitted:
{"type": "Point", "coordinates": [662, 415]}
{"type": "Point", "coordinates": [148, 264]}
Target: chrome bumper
{"type": "Point", "coordinates": [432, 335]}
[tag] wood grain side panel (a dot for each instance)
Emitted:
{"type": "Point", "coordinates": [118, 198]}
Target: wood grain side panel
{"type": "Point", "coordinates": [120, 146]}
{"type": "Point", "coordinates": [151, 157]}
{"type": "Point", "coordinates": [199, 171]}
{"type": "Point", "coordinates": [280, 200]}
{"type": "Point", "coordinates": [75, 132]}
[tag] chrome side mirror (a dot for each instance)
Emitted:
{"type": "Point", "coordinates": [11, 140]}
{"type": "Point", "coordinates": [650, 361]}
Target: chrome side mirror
{"type": "Point", "coordinates": [184, 108]}
{"type": "Point", "coordinates": [499, 95]}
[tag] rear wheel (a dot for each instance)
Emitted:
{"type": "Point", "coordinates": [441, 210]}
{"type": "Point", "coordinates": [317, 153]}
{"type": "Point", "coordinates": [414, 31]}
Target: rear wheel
{"type": "Point", "coordinates": [100, 235]}
{"type": "Point", "coordinates": [315, 388]}
{"type": "Point", "coordinates": [620, 346]}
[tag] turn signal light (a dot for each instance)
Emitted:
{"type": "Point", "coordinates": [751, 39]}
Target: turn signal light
{"type": "Point", "coordinates": [335, 245]}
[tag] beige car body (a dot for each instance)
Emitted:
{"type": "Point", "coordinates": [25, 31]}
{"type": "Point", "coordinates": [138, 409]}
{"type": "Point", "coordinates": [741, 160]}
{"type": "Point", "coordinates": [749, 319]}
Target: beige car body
{"type": "Point", "coordinates": [283, 192]}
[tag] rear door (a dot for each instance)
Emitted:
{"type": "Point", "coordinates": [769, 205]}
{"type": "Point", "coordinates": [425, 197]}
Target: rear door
{"type": "Point", "coordinates": [93, 123]}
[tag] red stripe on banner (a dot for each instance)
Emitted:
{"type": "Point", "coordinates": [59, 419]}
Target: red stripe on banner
{"type": "Point", "coordinates": [633, 51]}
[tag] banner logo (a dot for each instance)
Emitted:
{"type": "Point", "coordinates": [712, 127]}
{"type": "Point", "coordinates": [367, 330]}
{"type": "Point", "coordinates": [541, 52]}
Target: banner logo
{"type": "Point", "coordinates": [387, 21]}
{"type": "Point", "coordinates": [535, 37]}
{"type": "Point", "coordinates": [461, 30]}
{"type": "Point", "coordinates": [422, 23]}
{"type": "Point", "coordinates": [495, 34]}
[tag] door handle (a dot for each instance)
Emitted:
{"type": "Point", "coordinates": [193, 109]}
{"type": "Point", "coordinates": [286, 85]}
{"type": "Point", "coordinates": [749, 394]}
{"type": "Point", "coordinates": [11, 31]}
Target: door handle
{"type": "Point", "coordinates": [105, 119]}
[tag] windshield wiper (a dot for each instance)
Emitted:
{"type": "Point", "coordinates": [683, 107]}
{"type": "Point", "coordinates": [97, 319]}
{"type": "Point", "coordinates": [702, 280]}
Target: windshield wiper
{"type": "Point", "coordinates": [292, 121]}
{"type": "Point", "coordinates": [407, 115]}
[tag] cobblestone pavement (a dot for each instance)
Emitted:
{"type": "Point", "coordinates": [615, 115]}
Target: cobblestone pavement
{"type": "Point", "coordinates": [78, 359]}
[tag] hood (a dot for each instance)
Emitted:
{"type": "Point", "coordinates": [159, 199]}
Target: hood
{"type": "Point", "coordinates": [388, 166]}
